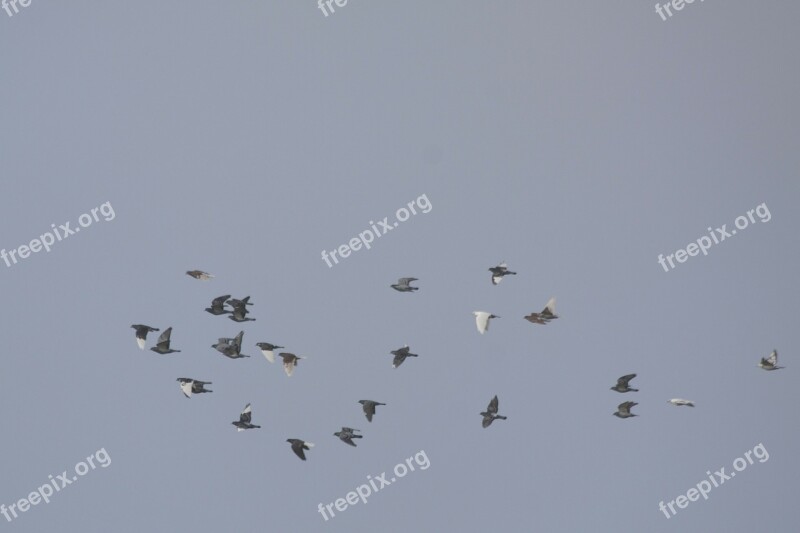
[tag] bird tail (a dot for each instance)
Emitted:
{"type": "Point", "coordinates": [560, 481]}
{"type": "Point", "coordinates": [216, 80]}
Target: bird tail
{"type": "Point", "coordinates": [501, 417]}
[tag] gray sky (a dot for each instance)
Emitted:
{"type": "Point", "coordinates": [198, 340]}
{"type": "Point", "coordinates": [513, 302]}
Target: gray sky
{"type": "Point", "coordinates": [576, 141]}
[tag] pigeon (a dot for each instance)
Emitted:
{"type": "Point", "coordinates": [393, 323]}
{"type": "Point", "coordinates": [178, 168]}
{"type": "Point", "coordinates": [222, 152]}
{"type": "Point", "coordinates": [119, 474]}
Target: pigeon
{"type": "Point", "coordinates": [679, 402]}
{"type": "Point", "coordinates": [141, 333]}
{"type": "Point", "coordinates": [403, 285]}
{"type": "Point", "coordinates": [199, 274]}
{"type": "Point", "coordinates": [771, 362]}
{"type": "Point", "coordinates": [624, 410]}
{"type": "Point", "coordinates": [347, 435]}
{"type": "Point", "coordinates": [490, 415]}
{"type": "Point", "coordinates": [400, 355]}
{"type": "Point", "coordinates": [218, 305]}
{"type": "Point", "coordinates": [499, 271]}
{"type": "Point", "coordinates": [230, 347]}
{"type": "Point", "coordinates": [298, 446]}
{"type": "Point", "coordinates": [289, 362]}
{"type": "Point", "coordinates": [239, 313]}
{"type": "Point", "coordinates": [482, 320]}
{"type": "Point", "coordinates": [547, 314]}
{"type": "Point", "coordinates": [192, 386]}
{"type": "Point", "coordinates": [369, 408]}
{"type": "Point", "coordinates": [162, 346]}
{"type": "Point", "coordinates": [267, 350]}
{"type": "Point", "coordinates": [622, 384]}
{"type": "Point", "coordinates": [244, 420]}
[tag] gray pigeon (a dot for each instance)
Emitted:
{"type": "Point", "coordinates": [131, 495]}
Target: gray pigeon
{"type": "Point", "coordinates": [499, 271]}
{"type": "Point", "coordinates": [162, 346]}
{"type": "Point", "coordinates": [289, 362]}
{"type": "Point", "coordinates": [490, 415]}
{"type": "Point", "coordinates": [244, 420]}
{"type": "Point", "coordinates": [400, 355]}
{"type": "Point", "coordinates": [298, 445]}
{"type": "Point", "coordinates": [239, 313]}
{"type": "Point", "coordinates": [199, 274]}
{"type": "Point", "coordinates": [369, 408]}
{"type": "Point", "coordinates": [771, 362]}
{"type": "Point", "coordinates": [624, 410]}
{"type": "Point", "coordinates": [192, 386]}
{"type": "Point", "coordinates": [347, 435]}
{"type": "Point", "coordinates": [268, 350]}
{"type": "Point", "coordinates": [230, 347]}
{"type": "Point", "coordinates": [141, 334]}
{"type": "Point", "coordinates": [403, 285]}
{"type": "Point", "coordinates": [622, 384]}
{"type": "Point", "coordinates": [218, 305]}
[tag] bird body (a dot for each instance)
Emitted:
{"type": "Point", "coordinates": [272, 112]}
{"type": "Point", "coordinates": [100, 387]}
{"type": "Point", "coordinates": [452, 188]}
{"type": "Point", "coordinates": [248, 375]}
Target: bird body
{"type": "Point", "coordinates": [771, 362]}
{"type": "Point", "coordinates": [369, 408]}
{"type": "Point", "coordinates": [490, 415]}
{"type": "Point", "coordinates": [192, 386]}
{"type": "Point", "coordinates": [347, 435]}
{"type": "Point", "coordinates": [499, 271]}
{"type": "Point", "coordinates": [163, 344]}
{"type": "Point", "coordinates": [400, 355]}
{"type": "Point", "coordinates": [199, 274]}
{"type": "Point", "coordinates": [298, 445]}
{"type": "Point", "coordinates": [482, 319]}
{"type": "Point", "coordinates": [141, 334]}
{"type": "Point", "coordinates": [403, 285]}
{"type": "Point", "coordinates": [679, 402]}
{"type": "Point", "coordinates": [622, 384]}
{"type": "Point", "coordinates": [624, 410]}
{"type": "Point", "coordinates": [547, 314]}
{"type": "Point", "coordinates": [244, 420]}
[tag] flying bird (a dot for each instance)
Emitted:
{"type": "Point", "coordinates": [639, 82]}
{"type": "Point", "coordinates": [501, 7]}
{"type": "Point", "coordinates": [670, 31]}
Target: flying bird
{"type": "Point", "coordinates": [141, 334]}
{"type": "Point", "coordinates": [490, 415]}
{"type": "Point", "coordinates": [624, 410]}
{"type": "Point", "coordinates": [622, 384]}
{"type": "Point", "coordinates": [298, 445]}
{"type": "Point", "coordinates": [499, 271]}
{"type": "Point", "coordinates": [244, 420]}
{"type": "Point", "coordinates": [404, 285]}
{"type": "Point", "coordinates": [218, 305]}
{"type": "Point", "coordinates": [347, 435]}
{"type": "Point", "coordinates": [369, 408]}
{"type": "Point", "coordinates": [547, 314]}
{"type": "Point", "coordinates": [239, 313]}
{"type": "Point", "coordinates": [482, 320]}
{"type": "Point", "coordinates": [193, 386]}
{"type": "Point", "coordinates": [289, 362]}
{"type": "Point", "coordinates": [771, 362]}
{"type": "Point", "coordinates": [199, 274]}
{"type": "Point", "coordinates": [230, 347]}
{"type": "Point", "coordinates": [679, 402]}
{"type": "Point", "coordinates": [400, 355]}
{"type": "Point", "coordinates": [162, 346]}
{"type": "Point", "coordinates": [268, 350]}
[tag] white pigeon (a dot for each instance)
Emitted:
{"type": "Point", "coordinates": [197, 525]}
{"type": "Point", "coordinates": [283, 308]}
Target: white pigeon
{"type": "Point", "coordinates": [771, 362]}
{"type": "Point", "coordinates": [679, 402]}
{"type": "Point", "coordinates": [482, 320]}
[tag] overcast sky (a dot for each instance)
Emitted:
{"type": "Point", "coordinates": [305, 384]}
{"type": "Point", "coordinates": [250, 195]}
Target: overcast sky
{"type": "Point", "coordinates": [575, 140]}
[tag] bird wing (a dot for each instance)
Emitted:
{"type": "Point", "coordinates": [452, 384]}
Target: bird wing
{"type": "Point", "coordinates": [297, 448]}
{"type": "Point", "coordinates": [163, 339]}
{"type": "Point", "coordinates": [186, 387]}
{"type": "Point", "coordinates": [773, 358]}
{"type": "Point", "coordinates": [623, 381]}
{"type": "Point", "coordinates": [493, 405]}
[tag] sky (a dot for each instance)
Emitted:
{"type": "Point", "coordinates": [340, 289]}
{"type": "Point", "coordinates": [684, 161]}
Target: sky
{"type": "Point", "coordinates": [577, 141]}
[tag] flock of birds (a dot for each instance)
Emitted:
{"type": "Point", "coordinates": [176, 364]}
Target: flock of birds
{"type": "Point", "coordinates": [232, 348]}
